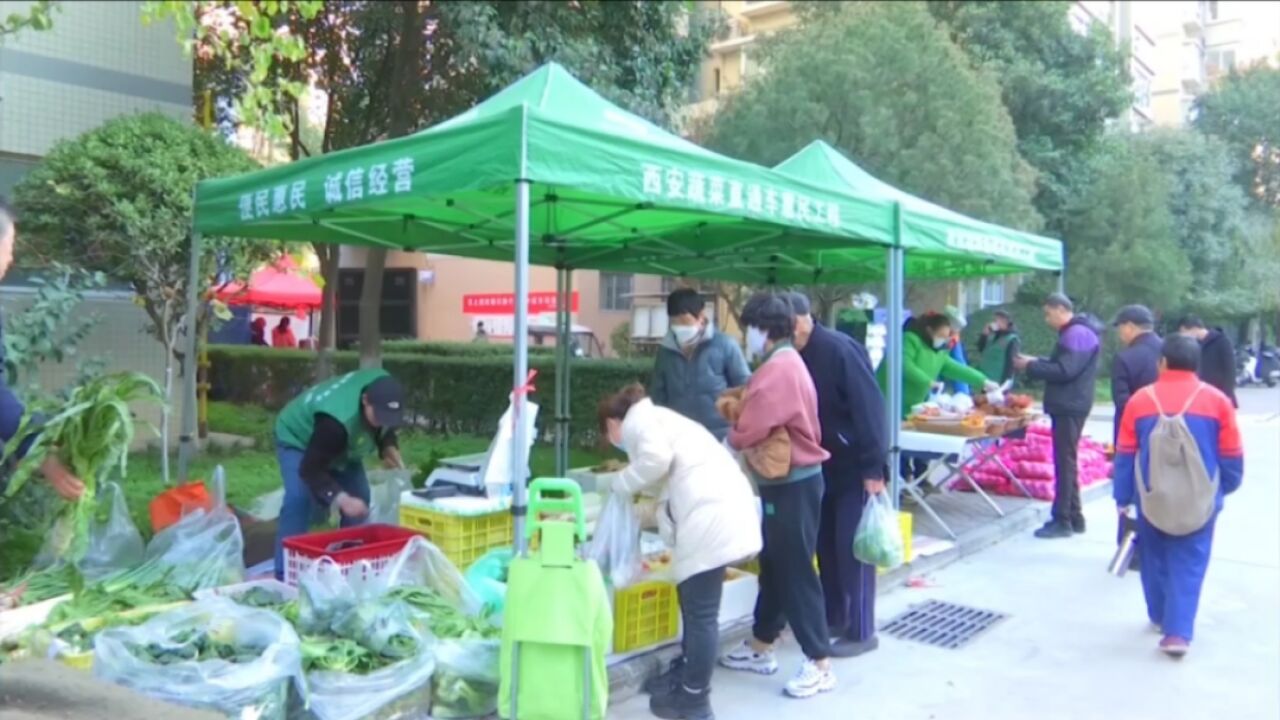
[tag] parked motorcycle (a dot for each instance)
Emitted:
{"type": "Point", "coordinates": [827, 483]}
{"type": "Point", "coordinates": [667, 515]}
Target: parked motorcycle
{"type": "Point", "coordinates": [1259, 369]}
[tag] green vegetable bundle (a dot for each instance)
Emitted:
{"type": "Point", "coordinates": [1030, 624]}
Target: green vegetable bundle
{"type": "Point", "coordinates": [195, 645]}
{"type": "Point", "coordinates": [91, 435]}
{"type": "Point", "coordinates": [362, 639]}
{"type": "Point", "coordinates": [446, 621]}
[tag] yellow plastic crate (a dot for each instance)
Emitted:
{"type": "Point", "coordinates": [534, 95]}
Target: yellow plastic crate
{"type": "Point", "coordinates": [645, 614]}
{"type": "Point", "coordinates": [462, 538]}
{"type": "Point", "coordinates": [79, 661]}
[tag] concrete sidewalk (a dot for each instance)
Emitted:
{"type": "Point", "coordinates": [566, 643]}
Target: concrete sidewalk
{"type": "Point", "coordinates": [1075, 644]}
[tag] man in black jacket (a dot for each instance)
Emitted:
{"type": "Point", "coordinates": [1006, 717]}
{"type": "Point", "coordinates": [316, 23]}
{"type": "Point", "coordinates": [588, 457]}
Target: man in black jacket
{"type": "Point", "coordinates": [1217, 356]}
{"type": "Point", "coordinates": [851, 412]}
{"type": "Point", "coordinates": [1069, 375]}
{"type": "Point", "coordinates": [1135, 367]}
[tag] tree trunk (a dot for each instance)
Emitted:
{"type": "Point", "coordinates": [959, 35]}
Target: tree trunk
{"type": "Point", "coordinates": [328, 337]}
{"type": "Point", "coordinates": [409, 56]}
{"type": "Point", "coordinates": [371, 309]}
{"type": "Point", "coordinates": [166, 416]}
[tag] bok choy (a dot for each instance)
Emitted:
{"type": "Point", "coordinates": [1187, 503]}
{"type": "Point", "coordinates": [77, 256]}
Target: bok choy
{"type": "Point", "coordinates": [91, 434]}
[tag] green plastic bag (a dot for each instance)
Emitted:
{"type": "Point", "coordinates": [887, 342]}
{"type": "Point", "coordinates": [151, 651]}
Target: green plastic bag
{"type": "Point", "coordinates": [878, 540]}
{"type": "Point", "coordinates": [487, 578]}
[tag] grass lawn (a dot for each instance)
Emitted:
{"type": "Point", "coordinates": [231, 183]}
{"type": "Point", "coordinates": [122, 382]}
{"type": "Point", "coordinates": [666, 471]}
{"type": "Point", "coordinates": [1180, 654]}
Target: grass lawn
{"type": "Point", "coordinates": [252, 473]}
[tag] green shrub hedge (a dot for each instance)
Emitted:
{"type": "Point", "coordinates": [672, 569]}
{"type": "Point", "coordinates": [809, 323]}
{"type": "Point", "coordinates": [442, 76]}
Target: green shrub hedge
{"type": "Point", "coordinates": [458, 349]}
{"type": "Point", "coordinates": [459, 394]}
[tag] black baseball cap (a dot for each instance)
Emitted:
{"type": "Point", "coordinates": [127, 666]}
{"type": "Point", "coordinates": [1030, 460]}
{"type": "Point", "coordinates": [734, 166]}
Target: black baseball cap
{"type": "Point", "coordinates": [1139, 315]}
{"type": "Point", "coordinates": [386, 395]}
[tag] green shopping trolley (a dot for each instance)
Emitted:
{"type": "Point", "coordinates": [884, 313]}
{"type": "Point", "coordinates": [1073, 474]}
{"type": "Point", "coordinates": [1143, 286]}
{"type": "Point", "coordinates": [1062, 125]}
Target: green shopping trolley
{"type": "Point", "coordinates": [558, 620]}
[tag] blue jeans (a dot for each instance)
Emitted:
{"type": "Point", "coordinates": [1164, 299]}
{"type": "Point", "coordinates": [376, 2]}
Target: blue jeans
{"type": "Point", "coordinates": [300, 509]}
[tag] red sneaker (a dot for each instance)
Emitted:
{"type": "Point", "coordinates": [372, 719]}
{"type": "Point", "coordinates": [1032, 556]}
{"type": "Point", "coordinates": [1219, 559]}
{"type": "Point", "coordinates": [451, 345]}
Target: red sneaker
{"type": "Point", "coordinates": [1174, 646]}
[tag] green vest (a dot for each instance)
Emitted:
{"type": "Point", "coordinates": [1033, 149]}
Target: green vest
{"type": "Point", "coordinates": [993, 358]}
{"type": "Point", "coordinates": [338, 398]}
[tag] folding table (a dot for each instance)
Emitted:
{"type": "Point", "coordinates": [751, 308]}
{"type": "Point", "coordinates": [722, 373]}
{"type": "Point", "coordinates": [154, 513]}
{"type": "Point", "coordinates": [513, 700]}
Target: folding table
{"type": "Point", "coordinates": [958, 454]}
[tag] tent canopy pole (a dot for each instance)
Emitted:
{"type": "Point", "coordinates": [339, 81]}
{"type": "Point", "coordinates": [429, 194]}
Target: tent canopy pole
{"type": "Point", "coordinates": [520, 394]}
{"type": "Point", "coordinates": [186, 442]}
{"type": "Point", "coordinates": [895, 278]}
{"type": "Point", "coordinates": [563, 334]}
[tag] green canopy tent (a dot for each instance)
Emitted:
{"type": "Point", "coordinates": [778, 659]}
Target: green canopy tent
{"type": "Point", "coordinates": [931, 242]}
{"type": "Point", "coordinates": [547, 171]}
{"type": "Point", "coordinates": [939, 243]}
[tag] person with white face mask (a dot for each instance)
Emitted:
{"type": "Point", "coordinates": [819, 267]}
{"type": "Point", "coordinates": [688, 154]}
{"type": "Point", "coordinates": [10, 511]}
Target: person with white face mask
{"type": "Point", "coordinates": [781, 395]}
{"type": "Point", "coordinates": [926, 359]}
{"type": "Point", "coordinates": [709, 515]}
{"type": "Point", "coordinates": [696, 364]}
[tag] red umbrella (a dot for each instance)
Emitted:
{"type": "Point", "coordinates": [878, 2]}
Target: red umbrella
{"type": "Point", "coordinates": [278, 285]}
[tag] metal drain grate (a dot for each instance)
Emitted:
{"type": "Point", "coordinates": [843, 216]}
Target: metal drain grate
{"type": "Point", "coordinates": [942, 624]}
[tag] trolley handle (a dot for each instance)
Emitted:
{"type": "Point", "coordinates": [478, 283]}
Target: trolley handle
{"type": "Point", "coordinates": [555, 495]}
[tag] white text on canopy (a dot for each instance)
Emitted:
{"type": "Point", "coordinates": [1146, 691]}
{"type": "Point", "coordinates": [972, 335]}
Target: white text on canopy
{"type": "Point", "coordinates": [694, 187]}
{"type": "Point", "coordinates": [340, 187]}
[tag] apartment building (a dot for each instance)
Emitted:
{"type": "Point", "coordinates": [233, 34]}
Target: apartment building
{"type": "Point", "coordinates": [1198, 41]}
{"type": "Point", "coordinates": [444, 298]}
{"type": "Point", "coordinates": [98, 61]}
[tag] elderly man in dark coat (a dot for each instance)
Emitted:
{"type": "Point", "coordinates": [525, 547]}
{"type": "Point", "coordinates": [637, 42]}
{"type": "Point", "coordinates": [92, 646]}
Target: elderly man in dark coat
{"type": "Point", "coordinates": [851, 412]}
{"type": "Point", "coordinates": [1136, 366]}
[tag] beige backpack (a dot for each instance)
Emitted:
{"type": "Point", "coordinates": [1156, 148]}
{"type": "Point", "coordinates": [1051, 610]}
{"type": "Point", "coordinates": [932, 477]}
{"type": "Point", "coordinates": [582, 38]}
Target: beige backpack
{"type": "Point", "coordinates": [1179, 497]}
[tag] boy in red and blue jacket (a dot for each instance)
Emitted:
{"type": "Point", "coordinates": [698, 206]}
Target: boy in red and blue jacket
{"type": "Point", "coordinates": [1173, 566]}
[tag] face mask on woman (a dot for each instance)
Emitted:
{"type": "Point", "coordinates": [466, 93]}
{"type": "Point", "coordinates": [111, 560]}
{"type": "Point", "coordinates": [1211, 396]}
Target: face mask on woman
{"type": "Point", "coordinates": [756, 340]}
{"type": "Point", "coordinates": [685, 334]}
{"type": "Point", "coordinates": [939, 343]}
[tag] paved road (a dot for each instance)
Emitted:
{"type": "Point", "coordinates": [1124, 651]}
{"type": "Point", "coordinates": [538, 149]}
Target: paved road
{"type": "Point", "coordinates": [1075, 644]}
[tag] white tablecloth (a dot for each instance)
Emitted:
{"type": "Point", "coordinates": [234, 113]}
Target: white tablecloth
{"type": "Point", "coordinates": [936, 443]}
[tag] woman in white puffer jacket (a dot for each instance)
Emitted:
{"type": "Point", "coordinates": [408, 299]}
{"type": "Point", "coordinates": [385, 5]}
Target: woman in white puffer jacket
{"type": "Point", "coordinates": [707, 511]}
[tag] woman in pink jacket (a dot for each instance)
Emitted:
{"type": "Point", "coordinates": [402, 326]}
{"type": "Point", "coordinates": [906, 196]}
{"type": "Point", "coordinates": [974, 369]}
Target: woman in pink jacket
{"type": "Point", "coordinates": [781, 395]}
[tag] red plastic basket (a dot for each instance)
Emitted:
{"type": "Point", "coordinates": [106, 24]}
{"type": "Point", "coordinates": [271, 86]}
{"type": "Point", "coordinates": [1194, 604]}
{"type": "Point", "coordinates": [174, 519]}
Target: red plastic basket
{"type": "Point", "coordinates": [367, 550]}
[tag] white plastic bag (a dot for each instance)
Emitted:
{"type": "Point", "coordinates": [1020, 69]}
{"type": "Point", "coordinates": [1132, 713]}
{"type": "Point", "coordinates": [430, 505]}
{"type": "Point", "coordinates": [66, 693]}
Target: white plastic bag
{"type": "Point", "coordinates": [401, 690]}
{"type": "Point", "coordinates": [325, 591]}
{"type": "Point", "coordinates": [615, 545]}
{"type": "Point", "coordinates": [497, 471]}
{"type": "Point", "coordinates": [354, 606]}
{"type": "Point", "coordinates": [385, 488]}
{"type": "Point", "coordinates": [465, 684]}
{"type": "Point", "coordinates": [205, 548]}
{"type": "Point", "coordinates": [397, 690]}
{"type": "Point", "coordinates": [257, 688]}
{"type": "Point", "coordinates": [114, 541]}
{"type": "Point", "coordinates": [878, 539]}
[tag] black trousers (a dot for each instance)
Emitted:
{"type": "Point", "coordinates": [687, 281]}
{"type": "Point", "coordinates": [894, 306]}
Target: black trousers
{"type": "Point", "coordinates": [790, 593]}
{"type": "Point", "coordinates": [848, 585]}
{"type": "Point", "coordinates": [1067, 430]}
{"type": "Point", "coordinates": [700, 610]}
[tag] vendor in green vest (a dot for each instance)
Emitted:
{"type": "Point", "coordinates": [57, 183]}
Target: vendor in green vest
{"type": "Point", "coordinates": [323, 437]}
{"type": "Point", "coordinates": [926, 359]}
{"type": "Point", "coordinates": [999, 345]}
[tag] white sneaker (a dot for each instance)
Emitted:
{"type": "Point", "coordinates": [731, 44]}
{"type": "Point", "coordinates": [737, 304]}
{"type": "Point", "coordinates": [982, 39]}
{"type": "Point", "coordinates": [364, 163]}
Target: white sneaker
{"type": "Point", "coordinates": [810, 681]}
{"type": "Point", "coordinates": [747, 659]}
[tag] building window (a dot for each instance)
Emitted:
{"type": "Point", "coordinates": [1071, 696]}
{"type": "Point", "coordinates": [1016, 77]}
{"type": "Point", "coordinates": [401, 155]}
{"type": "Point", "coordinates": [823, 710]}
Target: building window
{"type": "Point", "coordinates": [1142, 91]}
{"type": "Point", "coordinates": [715, 75]}
{"type": "Point", "coordinates": [992, 292]}
{"type": "Point", "coordinates": [1213, 9]}
{"type": "Point", "coordinates": [615, 291]}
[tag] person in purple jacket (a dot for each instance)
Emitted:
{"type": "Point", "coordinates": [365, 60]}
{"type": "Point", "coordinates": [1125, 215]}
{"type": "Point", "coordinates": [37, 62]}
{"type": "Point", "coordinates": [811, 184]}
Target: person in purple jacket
{"type": "Point", "coordinates": [1069, 374]}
